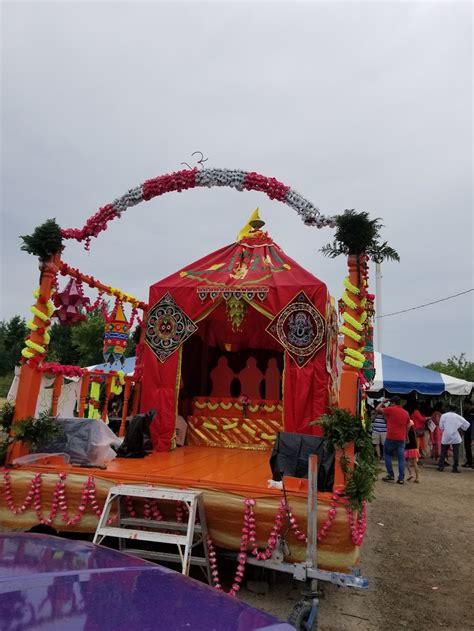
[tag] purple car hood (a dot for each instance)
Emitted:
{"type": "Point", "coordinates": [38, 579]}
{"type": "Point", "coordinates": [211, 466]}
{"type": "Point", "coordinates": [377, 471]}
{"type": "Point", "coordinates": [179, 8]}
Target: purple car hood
{"type": "Point", "coordinates": [58, 584]}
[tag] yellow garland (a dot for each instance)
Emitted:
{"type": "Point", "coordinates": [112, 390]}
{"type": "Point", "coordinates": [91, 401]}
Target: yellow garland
{"type": "Point", "coordinates": [363, 317]}
{"type": "Point", "coordinates": [347, 300]}
{"type": "Point", "coordinates": [355, 354]}
{"type": "Point", "coordinates": [248, 429]}
{"type": "Point", "coordinates": [352, 321]}
{"type": "Point", "coordinates": [208, 425]}
{"type": "Point", "coordinates": [226, 406]}
{"type": "Point", "coordinates": [268, 436]}
{"type": "Point", "coordinates": [355, 336]}
{"type": "Point", "coordinates": [35, 347]}
{"type": "Point", "coordinates": [26, 353]}
{"type": "Point", "coordinates": [31, 325]}
{"type": "Point", "coordinates": [35, 311]}
{"type": "Point", "coordinates": [363, 302]}
{"type": "Point", "coordinates": [50, 307]}
{"type": "Point", "coordinates": [230, 426]}
{"type": "Point", "coordinates": [47, 337]}
{"type": "Point", "coordinates": [352, 288]}
{"type": "Point", "coordinates": [353, 362]}
{"type": "Point", "coordinates": [116, 388]}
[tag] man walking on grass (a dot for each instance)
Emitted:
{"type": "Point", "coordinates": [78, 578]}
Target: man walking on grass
{"type": "Point", "coordinates": [450, 424]}
{"type": "Point", "coordinates": [398, 422]}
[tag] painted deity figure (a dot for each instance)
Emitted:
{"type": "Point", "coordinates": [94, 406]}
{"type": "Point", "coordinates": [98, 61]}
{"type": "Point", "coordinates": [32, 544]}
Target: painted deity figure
{"type": "Point", "coordinates": [300, 329]}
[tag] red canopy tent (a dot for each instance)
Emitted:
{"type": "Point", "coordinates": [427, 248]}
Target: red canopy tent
{"type": "Point", "coordinates": [247, 296]}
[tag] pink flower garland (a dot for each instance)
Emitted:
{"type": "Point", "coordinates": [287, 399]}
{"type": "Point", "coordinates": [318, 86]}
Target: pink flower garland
{"type": "Point", "coordinates": [53, 368]}
{"type": "Point", "coordinates": [59, 503]}
{"type": "Point", "coordinates": [248, 537]}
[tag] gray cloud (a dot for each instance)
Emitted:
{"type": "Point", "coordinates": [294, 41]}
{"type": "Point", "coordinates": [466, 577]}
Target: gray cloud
{"type": "Point", "coordinates": [365, 106]}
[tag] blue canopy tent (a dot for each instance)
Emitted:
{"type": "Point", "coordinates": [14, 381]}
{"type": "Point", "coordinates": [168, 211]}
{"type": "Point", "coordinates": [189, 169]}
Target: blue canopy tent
{"type": "Point", "coordinates": [400, 377]}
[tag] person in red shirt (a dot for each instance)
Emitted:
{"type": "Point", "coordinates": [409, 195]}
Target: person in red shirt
{"type": "Point", "coordinates": [398, 422]}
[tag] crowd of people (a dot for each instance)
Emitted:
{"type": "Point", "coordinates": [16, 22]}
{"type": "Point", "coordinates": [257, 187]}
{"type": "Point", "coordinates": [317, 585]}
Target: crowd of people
{"type": "Point", "coordinates": [414, 433]}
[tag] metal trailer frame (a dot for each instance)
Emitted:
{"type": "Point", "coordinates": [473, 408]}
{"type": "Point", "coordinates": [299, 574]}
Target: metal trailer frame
{"type": "Point", "coordinates": [306, 611]}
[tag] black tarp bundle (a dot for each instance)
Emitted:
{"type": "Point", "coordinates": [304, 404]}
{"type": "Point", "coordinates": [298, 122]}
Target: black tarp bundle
{"type": "Point", "coordinates": [290, 457]}
{"type": "Point", "coordinates": [137, 442]}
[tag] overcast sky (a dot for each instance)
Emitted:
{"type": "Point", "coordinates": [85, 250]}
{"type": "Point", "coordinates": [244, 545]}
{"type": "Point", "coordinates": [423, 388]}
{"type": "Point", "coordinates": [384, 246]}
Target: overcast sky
{"type": "Point", "coordinates": [355, 105]}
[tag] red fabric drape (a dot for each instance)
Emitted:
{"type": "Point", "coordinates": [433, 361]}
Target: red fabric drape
{"type": "Point", "coordinates": [250, 265]}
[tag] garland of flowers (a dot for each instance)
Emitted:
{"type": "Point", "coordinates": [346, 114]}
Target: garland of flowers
{"type": "Point", "coordinates": [248, 540]}
{"type": "Point", "coordinates": [227, 406]}
{"type": "Point", "coordinates": [33, 352]}
{"type": "Point", "coordinates": [191, 178]}
{"type": "Point", "coordinates": [67, 270]}
{"type": "Point", "coordinates": [53, 368]}
{"type": "Point", "coordinates": [356, 327]}
{"type": "Point", "coordinates": [59, 503]}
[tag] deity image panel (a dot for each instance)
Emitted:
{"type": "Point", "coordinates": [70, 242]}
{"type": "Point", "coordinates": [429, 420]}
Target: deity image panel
{"type": "Point", "coordinates": [299, 328]}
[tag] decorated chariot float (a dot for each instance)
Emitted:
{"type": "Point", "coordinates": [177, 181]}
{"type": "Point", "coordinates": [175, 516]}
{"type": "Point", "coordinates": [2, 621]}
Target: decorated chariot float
{"type": "Point", "coordinates": [237, 350]}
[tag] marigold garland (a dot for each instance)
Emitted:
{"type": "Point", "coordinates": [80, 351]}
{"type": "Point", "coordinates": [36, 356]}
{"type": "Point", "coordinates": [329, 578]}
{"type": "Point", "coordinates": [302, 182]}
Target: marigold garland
{"type": "Point", "coordinates": [352, 321]}
{"type": "Point", "coordinates": [355, 336]}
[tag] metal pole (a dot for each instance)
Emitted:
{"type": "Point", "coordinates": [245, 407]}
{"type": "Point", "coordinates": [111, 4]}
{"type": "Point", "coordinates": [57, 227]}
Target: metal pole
{"type": "Point", "coordinates": [311, 547]}
{"type": "Point", "coordinates": [378, 306]}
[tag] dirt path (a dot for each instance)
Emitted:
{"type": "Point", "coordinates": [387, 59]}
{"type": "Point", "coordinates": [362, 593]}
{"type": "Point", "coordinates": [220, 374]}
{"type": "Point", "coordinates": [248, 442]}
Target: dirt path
{"type": "Point", "coordinates": [418, 557]}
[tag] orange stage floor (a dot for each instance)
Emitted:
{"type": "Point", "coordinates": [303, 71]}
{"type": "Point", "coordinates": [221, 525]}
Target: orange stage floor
{"type": "Point", "coordinates": [225, 476]}
{"type": "Point", "coordinates": [233, 470]}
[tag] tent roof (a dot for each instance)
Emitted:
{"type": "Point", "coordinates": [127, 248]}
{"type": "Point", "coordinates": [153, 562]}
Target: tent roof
{"type": "Point", "coordinates": [401, 377]}
{"type": "Point", "coordinates": [252, 262]}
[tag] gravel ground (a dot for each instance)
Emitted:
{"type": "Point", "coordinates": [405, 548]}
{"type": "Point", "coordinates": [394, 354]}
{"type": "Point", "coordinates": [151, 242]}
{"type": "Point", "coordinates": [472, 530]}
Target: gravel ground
{"type": "Point", "coordinates": [417, 556]}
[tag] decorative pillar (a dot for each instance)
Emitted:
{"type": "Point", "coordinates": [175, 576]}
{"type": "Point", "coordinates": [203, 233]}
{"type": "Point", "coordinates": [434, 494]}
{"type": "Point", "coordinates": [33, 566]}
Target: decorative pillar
{"type": "Point", "coordinates": [30, 376]}
{"type": "Point", "coordinates": [126, 398]}
{"type": "Point", "coordinates": [83, 395]}
{"type": "Point", "coordinates": [349, 385]}
{"type": "Point", "coordinates": [58, 384]}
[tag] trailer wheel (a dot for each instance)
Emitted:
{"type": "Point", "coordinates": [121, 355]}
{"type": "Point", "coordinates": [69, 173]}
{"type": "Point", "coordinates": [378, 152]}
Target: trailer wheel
{"type": "Point", "coordinates": [304, 616]}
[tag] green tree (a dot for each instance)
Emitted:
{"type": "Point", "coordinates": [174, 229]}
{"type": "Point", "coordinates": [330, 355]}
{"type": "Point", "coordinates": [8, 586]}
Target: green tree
{"type": "Point", "coordinates": [61, 348]}
{"type": "Point", "coordinates": [455, 366]}
{"type": "Point", "coordinates": [12, 339]}
{"type": "Point", "coordinates": [88, 339]}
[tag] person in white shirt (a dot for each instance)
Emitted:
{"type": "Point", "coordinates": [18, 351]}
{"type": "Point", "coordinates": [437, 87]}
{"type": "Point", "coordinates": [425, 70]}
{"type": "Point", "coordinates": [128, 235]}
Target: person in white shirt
{"type": "Point", "coordinates": [450, 424]}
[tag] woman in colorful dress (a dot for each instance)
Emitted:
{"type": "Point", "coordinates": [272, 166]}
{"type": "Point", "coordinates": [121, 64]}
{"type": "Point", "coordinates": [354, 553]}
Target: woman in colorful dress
{"type": "Point", "coordinates": [411, 455]}
{"type": "Point", "coordinates": [436, 433]}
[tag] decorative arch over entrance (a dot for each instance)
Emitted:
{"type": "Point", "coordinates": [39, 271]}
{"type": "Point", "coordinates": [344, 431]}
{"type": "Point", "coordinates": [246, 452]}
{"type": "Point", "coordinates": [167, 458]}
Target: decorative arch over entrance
{"type": "Point", "coordinates": [193, 178]}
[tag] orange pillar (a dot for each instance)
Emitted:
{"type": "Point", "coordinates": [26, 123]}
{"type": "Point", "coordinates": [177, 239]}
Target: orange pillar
{"type": "Point", "coordinates": [348, 389]}
{"type": "Point", "coordinates": [58, 384]}
{"type": "Point", "coordinates": [30, 377]}
{"type": "Point", "coordinates": [83, 395]}
{"type": "Point", "coordinates": [137, 391]}
{"type": "Point", "coordinates": [108, 386]}
{"type": "Point", "coordinates": [126, 398]}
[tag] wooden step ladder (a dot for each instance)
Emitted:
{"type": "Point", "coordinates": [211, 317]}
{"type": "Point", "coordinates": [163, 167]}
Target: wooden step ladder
{"type": "Point", "coordinates": [185, 535]}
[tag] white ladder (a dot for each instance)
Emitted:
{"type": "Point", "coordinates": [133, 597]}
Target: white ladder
{"type": "Point", "coordinates": [184, 535]}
